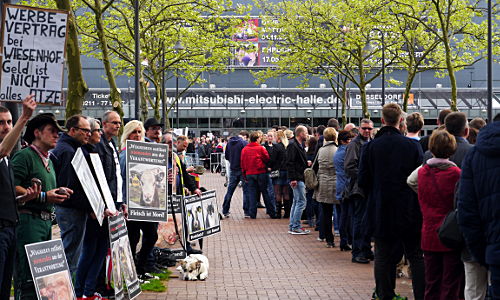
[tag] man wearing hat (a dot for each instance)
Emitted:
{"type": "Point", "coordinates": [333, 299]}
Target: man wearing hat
{"type": "Point", "coordinates": [33, 165]}
{"type": "Point", "coordinates": [9, 136]}
{"type": "Point", "coordinates": [153, 130]}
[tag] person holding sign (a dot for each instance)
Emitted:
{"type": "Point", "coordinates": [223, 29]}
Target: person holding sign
{"type": "Point", "coordinates": [72, 214]}
{"type": "Point", "coordinates": [33, 165]}
{"type": "Point", "coordinates": [8, 214]}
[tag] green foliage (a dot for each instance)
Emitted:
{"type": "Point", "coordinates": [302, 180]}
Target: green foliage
{"type": "Point", "coordinates": [157, 285]}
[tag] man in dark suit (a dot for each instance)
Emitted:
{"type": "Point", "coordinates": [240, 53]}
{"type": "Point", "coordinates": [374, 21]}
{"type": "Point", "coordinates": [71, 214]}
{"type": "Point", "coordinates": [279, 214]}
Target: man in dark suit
{"type": "Point", "coordinates": [393, 213]}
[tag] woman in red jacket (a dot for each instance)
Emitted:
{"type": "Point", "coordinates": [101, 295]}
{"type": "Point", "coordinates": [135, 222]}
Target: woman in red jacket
{"type": "Point", "coordinates": [436, 188]}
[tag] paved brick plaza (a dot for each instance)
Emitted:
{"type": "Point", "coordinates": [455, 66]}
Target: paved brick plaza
{"type": "Point", "coordinates": [258, 259]}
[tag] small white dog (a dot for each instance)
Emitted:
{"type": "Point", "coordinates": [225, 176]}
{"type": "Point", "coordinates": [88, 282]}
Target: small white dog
{"type": "Point", "coordinates": [194, 267]}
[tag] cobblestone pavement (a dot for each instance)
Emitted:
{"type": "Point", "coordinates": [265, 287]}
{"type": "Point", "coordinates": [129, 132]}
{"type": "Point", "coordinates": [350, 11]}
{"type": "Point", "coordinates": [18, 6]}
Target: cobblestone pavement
{"type": "Point", "coordinates": [258, 259]}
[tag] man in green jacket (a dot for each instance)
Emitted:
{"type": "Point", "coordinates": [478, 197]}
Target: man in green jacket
{"type": "Point", "coordinates": [32, 164]}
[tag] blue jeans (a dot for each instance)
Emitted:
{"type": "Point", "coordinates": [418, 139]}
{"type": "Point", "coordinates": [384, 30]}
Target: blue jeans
{"type": "Point", "coordinates": [94, 250]}
{"type": "Point", "coordinates": [298, 206]}
{"type": "Point", "coordinates": [7, 254]}
{"type": "Point", "coordinates": [260, 182]}
{"type": "Point", "coordinates": [270, 190]}
{"type": "Point", "coordinates": [361, 246]}
{"type": "Point", "coordinates": [345, 224]}
{"type": "Point", "coordinates": [234, 179]}
{"type": "Point", "coordinates": [72, 223]}
{"type": "Point", "coordinates": [337, 211]}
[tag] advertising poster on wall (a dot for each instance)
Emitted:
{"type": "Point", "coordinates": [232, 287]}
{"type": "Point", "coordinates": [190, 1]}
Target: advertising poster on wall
{"type": "Point", "coordinates": [89, 184]}
{"type": "Point", "coordinates": [147, 181]}
{"type": "Point", "coordinates": [122, 258]}
{"type": "Point", "coordinates": [33, 48]}
{"type": "Point", "coordinates": [201, 215]}
{"type": "Point", "coordinates": [50, 271]}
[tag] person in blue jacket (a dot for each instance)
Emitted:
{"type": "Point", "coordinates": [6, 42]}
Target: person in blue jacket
{"type": "Point", "coordinates": [479, 201]}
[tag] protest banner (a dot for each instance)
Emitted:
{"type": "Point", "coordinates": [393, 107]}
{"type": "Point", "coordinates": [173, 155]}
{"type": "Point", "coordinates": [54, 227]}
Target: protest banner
{"type": "Point", "coordinates": [168, 235]}
{"type": "Point", "coordinates": [50, 271]}
{"type": "Point", "coordinates": [147, 181]}
{"type": "Point", "coordinates": [122, 258]}
{"type": "Point", "coordinates": [201, 216]}
{"type": "Point", "coordinates": [89, 184]}
{"type": "Point", "coordinates": [33, 48]}
{"type": "Point", "coordinates": [103, 183]}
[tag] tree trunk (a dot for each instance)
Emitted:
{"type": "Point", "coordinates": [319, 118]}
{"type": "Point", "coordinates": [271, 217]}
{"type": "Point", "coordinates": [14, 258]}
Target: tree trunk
{"type": "Point", "coordinates": [115, 97]}
{"type": "Point", "coordinates": [77, 88]}
{"type": "Point", "coordinates": [344, 105]}
{"type": "Point", "coordinates": [409, 83]}
{"type": "Point", "coordinates": [364, 105]}
{"type": "Point", "coordinates": [453, 80]}
{"type": "Point", "coordinates": [144, 99]}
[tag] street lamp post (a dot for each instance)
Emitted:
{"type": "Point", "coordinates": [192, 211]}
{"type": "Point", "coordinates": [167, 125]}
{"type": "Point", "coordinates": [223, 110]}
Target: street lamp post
{"type": "Point", "coordinates": [177, 48]}
{"type": "Point", "coordinates": [137, 58]}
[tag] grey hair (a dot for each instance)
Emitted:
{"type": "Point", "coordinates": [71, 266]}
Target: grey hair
{"type": "Point", "coordinates": [93, 123]}
{"type": "Point", "coordinates": [105, 117]}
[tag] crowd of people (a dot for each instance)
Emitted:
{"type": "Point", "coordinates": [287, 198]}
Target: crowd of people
{"type": "Point", "coordinates": [388, 187]}
{"type": "Point", "coordinates": [40, 187]}
{"type": "Point", "coordinates": [385, 192]}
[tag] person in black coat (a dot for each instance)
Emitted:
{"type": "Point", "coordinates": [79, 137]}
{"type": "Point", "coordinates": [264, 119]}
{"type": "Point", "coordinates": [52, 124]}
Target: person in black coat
{"type": "Point", "coordinates": [456, 124]}
{"type": "Point", "coordinates": [393, 211]}
{"type": "Point", "coordinates": [478, 202]}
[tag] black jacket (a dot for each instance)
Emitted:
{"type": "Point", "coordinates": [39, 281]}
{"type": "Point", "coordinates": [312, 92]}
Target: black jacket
{"type": "Point", "coordinates": [296, 161]}
{"type": "Point", "coordinates": [479, 195]}
{"type": "Point", "coordinates": [463, 147]}
{"type": "Point", "coordinates": [108, 163]}
{"type": "Point", "coordinates": [61, 157]}
{"type": "Point", "coordinates": [385, 164]}
{"type": "Point", "coordinates": [278, 157]}
{"type": "Point", "coordinates": [8, 201]}
{"type": "Point", "coordinates": [351, 165]}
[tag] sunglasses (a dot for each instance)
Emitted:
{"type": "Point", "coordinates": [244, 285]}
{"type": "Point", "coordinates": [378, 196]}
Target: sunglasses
{"type": "Point", "coordinates": [366, 128]}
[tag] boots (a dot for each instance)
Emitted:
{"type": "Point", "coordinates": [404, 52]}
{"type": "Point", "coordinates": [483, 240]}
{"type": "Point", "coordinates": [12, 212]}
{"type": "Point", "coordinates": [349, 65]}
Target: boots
{"type": "Point", "coordinates": [279, 205]}
{"type": "Point", "coordinates": [287, 206]}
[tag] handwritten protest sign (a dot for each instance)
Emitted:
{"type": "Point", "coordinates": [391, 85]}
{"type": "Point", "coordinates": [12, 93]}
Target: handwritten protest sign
{"type": "Point", "coordinates": [50, 271]}
{"type": "Point", "coordinates": [33, 48]}
{"type": "Point", "coordinates": [147, 181]}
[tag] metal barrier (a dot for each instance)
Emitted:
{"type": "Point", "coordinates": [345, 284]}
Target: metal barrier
{"type": "Point", "coordinates": [216, 162]}
{"type": "Point", "coordinates": [192, 159]}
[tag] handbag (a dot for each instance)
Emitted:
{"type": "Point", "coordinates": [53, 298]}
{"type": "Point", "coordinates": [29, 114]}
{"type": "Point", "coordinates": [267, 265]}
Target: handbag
{"type": "Point", "coordinates": [310, 176]}
{"type": "Point", "coordinates": [449, 233]}
{"type": "Point", "coordinates": [274, 174]}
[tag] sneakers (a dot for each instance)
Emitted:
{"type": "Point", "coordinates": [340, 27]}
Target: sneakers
{"type": "Point", "coordinates": [96, 296]}
{"type": "Point", "coordinates": [330, 245]}
{"type": "Point", "coordinates": [227, 215]}
{"type": "Point", "coordinates": [147, 276]}
{"type": "Point", "coordinates": [247, 217]}
{"type": "Point", "coordinates": [320, 239]}
{"type": "Point", "coordinates": [301, 231]}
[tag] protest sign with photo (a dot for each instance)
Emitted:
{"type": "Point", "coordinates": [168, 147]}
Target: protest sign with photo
{"type": "Point", "coordinates": [201, 215]}
{"type": "Point", "coordinates": [122, 258]}
{"type": "Point", "coordinates": [147, 181]}
{"type": "Point", "coordinates": [103, 183]}
{"type": "Point", "coordinates": [168, 235]}
{"type": "Point", "coordinates": [89, 184]}
{"type": "Point", "coordinates": [50, 271]}
{"type": "Point", "coordinates": [33, 48]}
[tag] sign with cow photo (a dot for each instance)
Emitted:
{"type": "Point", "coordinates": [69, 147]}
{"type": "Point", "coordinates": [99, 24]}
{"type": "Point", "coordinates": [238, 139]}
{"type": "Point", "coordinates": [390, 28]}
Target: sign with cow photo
{"type": "Point", "coordinates": [122, 259]}
{"type": "Point", "coordinates": [147, 181]}
{"type": "Point", "coordinates": [50, 271]}
{"type": "Point", "coordinates": [201, 216]}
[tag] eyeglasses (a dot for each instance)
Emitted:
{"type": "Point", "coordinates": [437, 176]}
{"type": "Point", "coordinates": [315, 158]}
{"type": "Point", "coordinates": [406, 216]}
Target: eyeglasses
{"type": "Point", "coordinates": [366, 128]}
{"type": "Point", "coordinates": [87, 131]}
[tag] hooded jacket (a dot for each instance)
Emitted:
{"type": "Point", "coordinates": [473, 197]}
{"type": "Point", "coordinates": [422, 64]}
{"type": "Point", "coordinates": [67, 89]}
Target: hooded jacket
{"type": "Point", "coordinates": [233, 152]}
{"type": "Point", "coordinates": [479, 197]}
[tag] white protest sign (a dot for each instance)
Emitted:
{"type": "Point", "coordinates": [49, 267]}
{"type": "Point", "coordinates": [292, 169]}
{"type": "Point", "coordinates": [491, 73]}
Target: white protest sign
{"type": "Point", "coordinates": [89, 184]}
{"type": "Point", "coordinates": [99, 171]}
{"type": "Point", "coordinates": [33, 48]}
